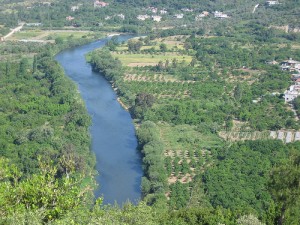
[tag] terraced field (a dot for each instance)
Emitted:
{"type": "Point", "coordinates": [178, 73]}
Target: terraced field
{"type": "Point", "coordinates": [286, 136]}
{"type": "Point", "coordinates": [187, 151]}
{"type": "Point", "coordinates": [240, 132]}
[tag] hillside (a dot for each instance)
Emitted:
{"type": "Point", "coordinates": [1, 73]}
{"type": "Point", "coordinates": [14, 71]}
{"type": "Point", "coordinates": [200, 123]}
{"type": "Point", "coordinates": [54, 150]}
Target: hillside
{"type": "Point", "coordinates": [160, 14]}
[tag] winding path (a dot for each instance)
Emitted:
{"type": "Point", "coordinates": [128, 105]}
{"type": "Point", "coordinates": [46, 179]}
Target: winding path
{"type": "Point", "coordinates": [255, 7]}
{"type": "Point", "coordinates": [13, 31]}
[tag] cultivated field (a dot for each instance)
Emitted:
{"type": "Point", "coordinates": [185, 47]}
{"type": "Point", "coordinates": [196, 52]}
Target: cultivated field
{"type": "Point", "coordinates": [174, 47]}
{"type": "Point", "coordinates": [240, 132]}
{"type": "Point", "coordinates": [185, 150]}
{"type": "Point", "coordinates": [48, 35]}
{"type": "Point", "coordinates": [131, 59]}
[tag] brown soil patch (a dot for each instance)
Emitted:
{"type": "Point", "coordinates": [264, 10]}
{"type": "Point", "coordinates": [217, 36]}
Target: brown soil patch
{"type": "Point", "coordinates": [186, 179]}
{"type": "Point", "coordinates": [172, 180]}
{"type": "Point", "coordinates": [173, 42]}
{"type": "Point", "coordinates": [250, 71]}
{"type": "Point", "coordinates": [168, 195]}
{"type": "Point", "coordinates": [169, 153]}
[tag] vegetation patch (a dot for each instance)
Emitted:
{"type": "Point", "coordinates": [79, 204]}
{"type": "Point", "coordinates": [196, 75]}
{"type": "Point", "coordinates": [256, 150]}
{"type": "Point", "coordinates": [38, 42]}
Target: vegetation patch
{"type": "Point", "coordinates": [144, 60]}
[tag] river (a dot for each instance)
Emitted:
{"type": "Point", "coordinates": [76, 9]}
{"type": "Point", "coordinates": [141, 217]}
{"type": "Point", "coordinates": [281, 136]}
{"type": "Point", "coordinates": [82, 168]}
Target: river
{"type": "Point", "coordinates": [113, 135]}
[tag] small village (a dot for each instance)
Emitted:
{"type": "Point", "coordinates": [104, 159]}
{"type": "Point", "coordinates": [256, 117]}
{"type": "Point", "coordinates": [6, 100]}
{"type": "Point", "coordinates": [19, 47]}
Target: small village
{"type": "Point", "coordinates": [198, 17]}
{"type": "Point", "coordinates": [152, 13]}
{"type": "Point", "coordinates": [292, 66]}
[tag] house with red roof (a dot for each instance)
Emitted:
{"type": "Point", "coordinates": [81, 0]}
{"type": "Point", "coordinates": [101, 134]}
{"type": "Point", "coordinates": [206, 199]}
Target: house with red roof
{"type": "Point", "coordinates": [99, 4]}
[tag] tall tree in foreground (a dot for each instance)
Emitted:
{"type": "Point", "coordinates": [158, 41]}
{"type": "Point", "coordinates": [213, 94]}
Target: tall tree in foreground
{"type": "Point", "coordinates": [285, 188]}
{"type": "Point", "coordinates": [42, 192]}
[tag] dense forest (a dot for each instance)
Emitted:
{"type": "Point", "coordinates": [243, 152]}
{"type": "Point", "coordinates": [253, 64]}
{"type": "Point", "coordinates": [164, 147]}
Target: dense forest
{"type": "Point", "coordinates": [45, 155]}
{"type": "Point", "coordinates": [188, 85]}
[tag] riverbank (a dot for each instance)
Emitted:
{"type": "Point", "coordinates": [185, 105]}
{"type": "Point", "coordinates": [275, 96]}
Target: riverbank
{"type": "Point", "coordinates": [113, 135]}
{"type": "Point", "coordinates": [122, 104]}
{"type": "Point", "coordinates": [113, 85]}
{"type": "Point", "coordinates": [150, 143]}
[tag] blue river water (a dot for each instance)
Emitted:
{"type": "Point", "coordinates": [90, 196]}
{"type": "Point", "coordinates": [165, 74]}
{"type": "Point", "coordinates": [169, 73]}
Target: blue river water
{"type": "Point", "coordinates": [113, 135]}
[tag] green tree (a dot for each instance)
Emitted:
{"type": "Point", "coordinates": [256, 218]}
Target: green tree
{"type": "Point", "coordinates": [163, 47]}
{"type": "Point", "coordinates": [249, 220]}
{"type": "Point", "coordinates": [59, 40]}
{"type": "Point", "coordinates": [134, 45]}
{"type": "Point", "coordinates": [34, 64]}
{"type": "Point", "coordinates": [284, 186]}
{"type": "Point", "coordinates": [23, 66]}
{"type": "Point", "coordinates": [41, 191]}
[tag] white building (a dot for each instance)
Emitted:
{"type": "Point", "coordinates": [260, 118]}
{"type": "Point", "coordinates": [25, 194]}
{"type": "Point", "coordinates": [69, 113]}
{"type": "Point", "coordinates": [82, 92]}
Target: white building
{"type": "Point", "coordinates": [221, 15]}
{"type": "Point", "coordinates": [99, 4]}
{"type": "Point", "coordinates": [156, 18]}
{"type": "Point", "coordinates": [290, 65]}
{"type": "Point", "coordinates": [178, 16]}
{"type": "Point", "coordinates": [33, 24]}
{"type": "Point", "coordinates": [292, 93]}
{"type": "Point", "coordinates": [74, 8]}
{"type": "Point", "coordinates": [187, 10]}
{"type": "Point", "coordinates": [70, 18]}
{"type": "Point", "coordinates": [121, 16]}
{"type": "Point", "coordinates": [152, 9]}
{"type": "Point", "coordinates": [46, 3]}
{"type": "Point", "coordinates": [143, 17]}
{"type": "Point", "coordinates": [163, 12]}
{"type": "Point", "coordinates": [270, 3]}
{"type": "Point", "coordinates": [200, 16]}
